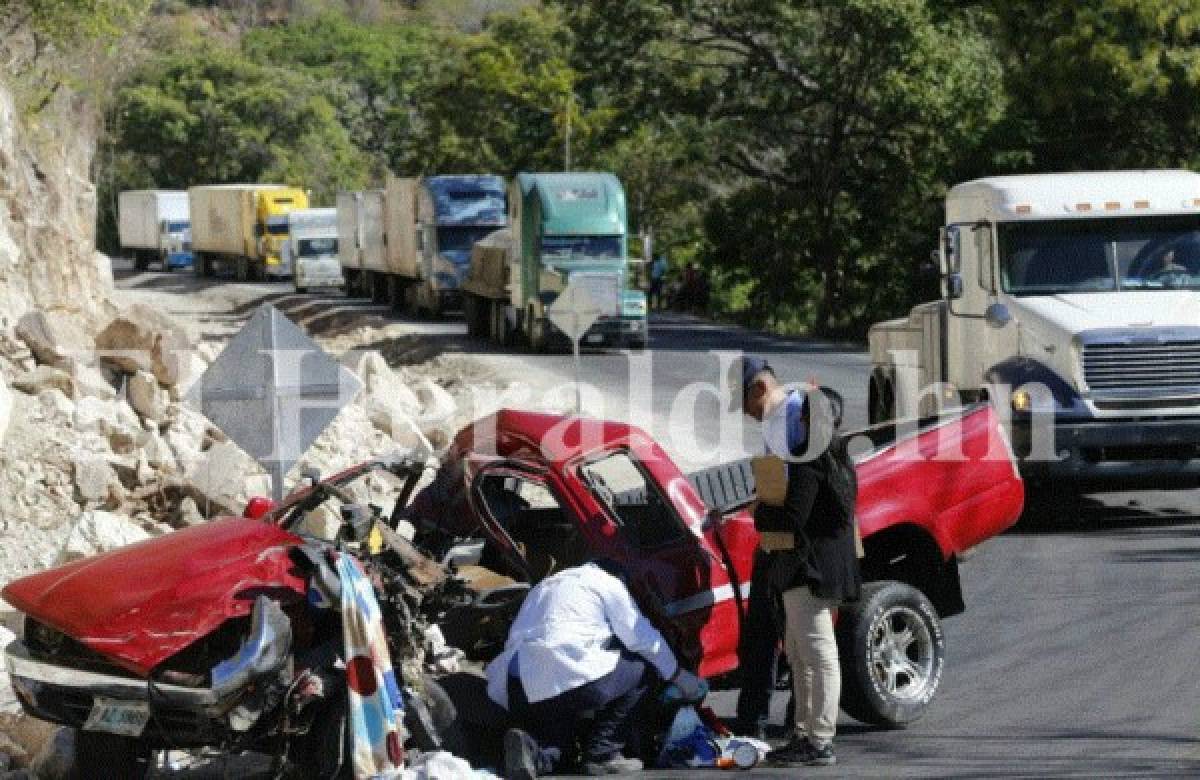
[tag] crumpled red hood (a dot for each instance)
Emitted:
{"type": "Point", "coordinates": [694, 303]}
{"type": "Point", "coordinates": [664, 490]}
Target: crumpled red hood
{"type": "Point", "coordinates": [141, 604]}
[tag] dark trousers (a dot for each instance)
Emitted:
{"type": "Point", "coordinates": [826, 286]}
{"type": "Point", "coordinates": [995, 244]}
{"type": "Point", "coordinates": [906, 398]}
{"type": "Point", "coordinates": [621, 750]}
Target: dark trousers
{"type": "Point", "coordinates": [613, 699]}
{"type": "Point", "coordinates": [758, 650]}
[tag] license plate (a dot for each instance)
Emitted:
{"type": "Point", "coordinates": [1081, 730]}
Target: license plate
{"type": "Point", "coordinates": [595, 338]}
{"type": "Point", "coordinates": [126, 718]}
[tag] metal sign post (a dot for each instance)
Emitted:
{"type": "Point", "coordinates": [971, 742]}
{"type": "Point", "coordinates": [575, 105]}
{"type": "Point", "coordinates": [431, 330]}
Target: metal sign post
{"type": "Point", "coordinates": [574, 312]}
{"type": "Point", "coordinates": [272, 391]}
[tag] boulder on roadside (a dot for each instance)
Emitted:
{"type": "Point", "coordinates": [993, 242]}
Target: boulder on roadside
{"type": "Point", "coordinates": [188, 513]}
{"type": "Point", "coordinates": [220, 474]}
{"type": "Point", "coordinates": [90, 381]}
{"type": "Point", "coordinates": [56, 406]}
{"type": "Point", "coordinates": [146, 396]}
{"type": "Point", "coordinates": [382, 383]}
{"type": "Point", "coordinates": [191, 368]}
{"type": "Point", "coordinates": [96, 531]}
{"type": "Point", "coordinates": [56, 338]}
{"type": "Point", "coordinates": [141, 338]}
{"type": "Point", "coordinates": [44, 377]}
{"type": "Point", "coordinates": [93, 479]}
{"type": "Point", "coordinates": [436, 402]}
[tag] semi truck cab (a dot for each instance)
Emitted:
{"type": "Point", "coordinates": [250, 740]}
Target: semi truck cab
{"type": "Point", "coordinates": [572, 230]}
{"type": "Point", "coordinates": [273, 208]}
{"type": "Point", "coordinates": [1072, 301]}
{"type": "Point", "coordinates": [459, 211]}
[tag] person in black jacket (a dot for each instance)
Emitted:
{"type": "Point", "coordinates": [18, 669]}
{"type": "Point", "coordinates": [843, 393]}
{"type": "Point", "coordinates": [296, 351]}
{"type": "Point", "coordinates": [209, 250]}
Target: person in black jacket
{"type": "Point", "coordinates": [809, 552]}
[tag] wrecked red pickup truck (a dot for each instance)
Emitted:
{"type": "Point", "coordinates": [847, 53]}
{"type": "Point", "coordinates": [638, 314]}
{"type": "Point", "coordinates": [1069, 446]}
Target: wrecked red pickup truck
{"type": "Point", "coordinates": [211, 636]}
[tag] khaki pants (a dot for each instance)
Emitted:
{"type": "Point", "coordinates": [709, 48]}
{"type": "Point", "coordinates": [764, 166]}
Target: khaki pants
{"type": "Point", "coordinates": [812, 651]}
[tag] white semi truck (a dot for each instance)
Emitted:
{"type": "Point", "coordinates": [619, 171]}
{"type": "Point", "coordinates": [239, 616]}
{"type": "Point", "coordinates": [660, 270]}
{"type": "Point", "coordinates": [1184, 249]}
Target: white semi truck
{"type": "Point", "coordinates": [1072, 302]}
{"type": "Point", "coordinates": [311, 249]}
{"type": "Point", "coordinates": [153, 226]}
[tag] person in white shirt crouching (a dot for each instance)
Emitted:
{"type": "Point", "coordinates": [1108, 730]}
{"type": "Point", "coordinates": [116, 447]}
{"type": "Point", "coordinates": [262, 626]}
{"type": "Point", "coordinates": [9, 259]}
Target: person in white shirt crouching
{"type": "Point", "coordinates": [579, 644]}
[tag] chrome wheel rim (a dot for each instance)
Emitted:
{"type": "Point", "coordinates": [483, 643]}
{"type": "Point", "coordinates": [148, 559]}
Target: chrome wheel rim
{"type": "Point", "coordinates": [900, 653]}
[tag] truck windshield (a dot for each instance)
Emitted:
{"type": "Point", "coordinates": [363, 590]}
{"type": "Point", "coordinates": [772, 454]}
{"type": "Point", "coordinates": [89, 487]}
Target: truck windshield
{"type": "Point", "coordinates": [1093, 255]}
{"type": "Point", "coordinates": [177, 227]}
{"type": "Point", "coordinates": [567, 247]}
{"type": "Point", "coordinates": [310, 247]}
{"type": "Point", "coordinates": [277, 226]}
{"type": "Point", "coordinates": [461, 239]}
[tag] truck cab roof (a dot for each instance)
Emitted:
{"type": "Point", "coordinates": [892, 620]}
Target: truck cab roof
{"type": "Point", "coordinates": [579, 204]}
{"type": "Point", "coordinates": [1085, 195]}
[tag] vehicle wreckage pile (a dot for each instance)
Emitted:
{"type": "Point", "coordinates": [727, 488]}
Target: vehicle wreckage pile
{"type": "Point", "coordinates": [98, 448]}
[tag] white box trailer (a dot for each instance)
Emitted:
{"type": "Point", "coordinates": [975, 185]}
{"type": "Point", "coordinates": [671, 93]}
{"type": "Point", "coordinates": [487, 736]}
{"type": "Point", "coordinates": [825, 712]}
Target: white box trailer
{"type": "Point", "coordinates": [153, 226]}
{"type": "Point", "coordinates": [349, 233]}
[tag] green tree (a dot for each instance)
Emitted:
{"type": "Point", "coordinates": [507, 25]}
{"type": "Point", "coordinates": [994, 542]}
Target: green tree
{"type": "Point", "coordinates": [1101, 84]}
{"type": "Point", "coordinates": [840, 120]}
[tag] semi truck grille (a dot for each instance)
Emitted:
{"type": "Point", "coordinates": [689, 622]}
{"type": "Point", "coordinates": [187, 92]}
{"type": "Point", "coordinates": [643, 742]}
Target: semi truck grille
{"type": "Point", "coordinates": [1165, 369]}
{"type": "Point", "coordinates": [604, 289]}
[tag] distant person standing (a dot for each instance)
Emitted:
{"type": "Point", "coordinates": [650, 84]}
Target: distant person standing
{"type": "Point", "coordinates": [658, 278]}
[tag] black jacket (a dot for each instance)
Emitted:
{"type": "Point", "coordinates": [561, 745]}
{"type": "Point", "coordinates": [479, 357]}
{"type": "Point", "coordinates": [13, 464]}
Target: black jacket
{"type": "Point", "coordinates": [825, 557]}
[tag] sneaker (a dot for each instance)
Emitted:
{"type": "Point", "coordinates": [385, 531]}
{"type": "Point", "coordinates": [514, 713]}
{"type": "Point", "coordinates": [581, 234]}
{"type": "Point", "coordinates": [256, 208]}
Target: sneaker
{"type": "Point", "coordinates": [618, 765]}
{"type": "Point", "coordinates": [794, 753]}
{"type": "Point", "coordinates": [821, 755]}
{"type": "Point", "coordinates": [520, 756]}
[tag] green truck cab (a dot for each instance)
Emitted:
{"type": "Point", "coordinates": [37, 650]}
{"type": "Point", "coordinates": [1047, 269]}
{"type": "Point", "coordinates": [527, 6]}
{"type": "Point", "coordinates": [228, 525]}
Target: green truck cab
{"type": "Point", "coordinates": [566, 228]}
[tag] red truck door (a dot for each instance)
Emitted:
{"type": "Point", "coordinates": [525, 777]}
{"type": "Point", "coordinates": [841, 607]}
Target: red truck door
{"type": "Point", "coordinates": [677, 571]}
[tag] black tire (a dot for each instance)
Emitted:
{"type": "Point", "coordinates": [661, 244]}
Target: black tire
{"type": "Point", "coordinates": [108, 755]}
{"type": "Point", "coordinates": [301, 290]}
{"type": "Point", "coordinates": [327, 751]}
{"type": "Point", "coordinates": [200, 265]}
{"type": "Point", "coordinates": [892, 653]}
{"type": "Point", "coordinates": [140, 260]}
{"type": "Point", "coordinates": [537, 332]}
{"type": "Point", "coordinates": [433, 720]}
{"type": "Point", "coordinates": [470, 316]}
{"type": "Point", "coordinates": [241, 270]}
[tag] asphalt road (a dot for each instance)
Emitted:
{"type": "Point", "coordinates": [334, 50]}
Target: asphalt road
{"type": "Point", "coordinates": [1079, 651]}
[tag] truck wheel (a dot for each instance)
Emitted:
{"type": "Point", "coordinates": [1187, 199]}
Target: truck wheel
{"type": "Point", "coordinates": [200, 265]}
{"type": "Point", "coordinates": [139, 260]}
{"type": "Point", "coordinates": [535, 331]}
{"type": "Point", "coordinates": [107, 755]}
{"type": "Point", "coordinates": [500, 331]}
{"type": "Point", "coordinates": [471, 315]}
{"type": "Point", "coordinates": [892, 654]}
{"type": "Point", "coordinates": [241, 270]}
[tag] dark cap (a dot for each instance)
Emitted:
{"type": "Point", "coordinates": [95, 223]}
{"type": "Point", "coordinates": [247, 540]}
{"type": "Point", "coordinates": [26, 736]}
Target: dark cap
{"type": "Point", "coordinates": [741, 376]}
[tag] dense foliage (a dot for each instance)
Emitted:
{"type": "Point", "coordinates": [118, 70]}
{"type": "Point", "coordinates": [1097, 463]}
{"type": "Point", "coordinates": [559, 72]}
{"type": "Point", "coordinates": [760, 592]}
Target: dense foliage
{"type": "Point", "coordinates": [798, 149]}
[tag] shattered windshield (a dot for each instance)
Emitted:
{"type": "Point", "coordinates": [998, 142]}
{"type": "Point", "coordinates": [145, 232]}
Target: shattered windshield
{"type": "Point", "coordinates": [1094, 255]}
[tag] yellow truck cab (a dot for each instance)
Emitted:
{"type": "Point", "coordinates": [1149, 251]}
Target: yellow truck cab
{"type": "Point", "coordinates": [272, 211]}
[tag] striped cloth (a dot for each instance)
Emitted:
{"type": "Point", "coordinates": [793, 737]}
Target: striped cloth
{"type": "Point", "coordinates": [375, 707]}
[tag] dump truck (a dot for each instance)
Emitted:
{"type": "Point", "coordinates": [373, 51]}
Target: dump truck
{"type": "Point", "coordinates": [311, 249]}
{"type": "Point", "coordinates": [243, 226]}
{"type": "Point", "coordinates": [567, 228]}
{"type": "Point", "coordinates": [1070, 301]}
{"type": "Point", "coordinates": [415, 238]}
{"type": "Point", "coordinates": [153, 227]}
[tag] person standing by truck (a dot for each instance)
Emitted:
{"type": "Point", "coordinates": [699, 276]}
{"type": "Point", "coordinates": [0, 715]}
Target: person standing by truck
{"type": "Point", "coordinates": [658, 278]}
{"type": "Point", "coordinates": [807, 535]}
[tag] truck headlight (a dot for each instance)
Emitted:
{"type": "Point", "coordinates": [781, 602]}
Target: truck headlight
{"type": "Point", "coordinates": [1022, 401]}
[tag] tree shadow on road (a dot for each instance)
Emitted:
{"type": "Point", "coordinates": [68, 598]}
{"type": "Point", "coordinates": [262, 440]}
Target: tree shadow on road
{"type": "Point", "coordinates": [1048, 513]}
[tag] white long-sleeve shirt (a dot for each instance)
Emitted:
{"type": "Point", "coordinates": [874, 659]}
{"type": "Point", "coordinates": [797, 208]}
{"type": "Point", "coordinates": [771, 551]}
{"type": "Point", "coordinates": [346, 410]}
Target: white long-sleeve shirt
{"type": "Point", "coordinates": [562, 637]}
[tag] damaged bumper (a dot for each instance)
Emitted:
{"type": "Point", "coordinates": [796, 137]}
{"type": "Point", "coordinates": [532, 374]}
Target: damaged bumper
{"type": "Point", "coordinates": [179, 715]}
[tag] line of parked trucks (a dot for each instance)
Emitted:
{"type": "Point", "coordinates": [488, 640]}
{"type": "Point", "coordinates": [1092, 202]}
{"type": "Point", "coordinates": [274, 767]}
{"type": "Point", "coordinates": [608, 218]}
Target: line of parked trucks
{"type": "Point", "coordinates": [499, 252]}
